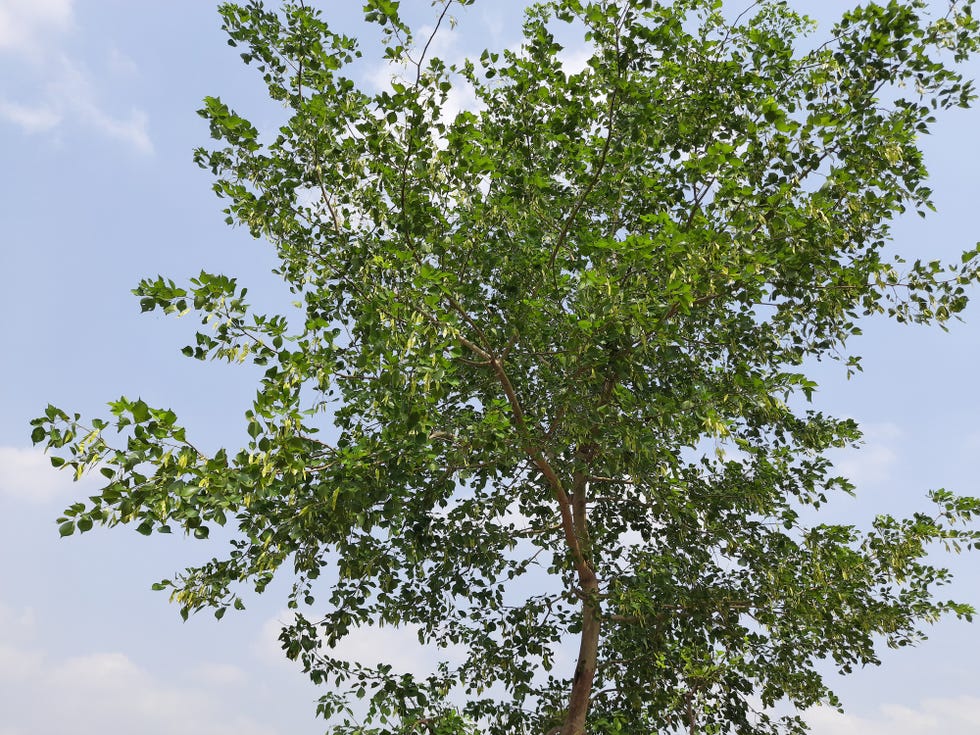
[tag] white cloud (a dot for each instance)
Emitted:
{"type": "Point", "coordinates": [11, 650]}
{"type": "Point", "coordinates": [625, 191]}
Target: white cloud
{"type": "Point", "coordinates": [103, 692]}
{"type": "Point", "coordinates": [371, 645]}
{"type": "Point", "coordinates": [268, 647]}
{"type": "Point", "coordinates": [107, 692]}
{"type": "Point", "coordinates": [26, 475]}
{"type": "Point", "coordinates": [573, 60]}
{"type": "Point", "coordinates": [17, 664]}
{"type": "Point", "coordinates": [446, 45]}
{"type": "Point", "coordinates": [368, 645]}
{"type": "Point", "coordinates": [936, 715]}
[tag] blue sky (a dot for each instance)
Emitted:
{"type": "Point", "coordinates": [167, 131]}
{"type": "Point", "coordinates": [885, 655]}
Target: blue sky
{"type": "Point", "coordinates": [97, 118]}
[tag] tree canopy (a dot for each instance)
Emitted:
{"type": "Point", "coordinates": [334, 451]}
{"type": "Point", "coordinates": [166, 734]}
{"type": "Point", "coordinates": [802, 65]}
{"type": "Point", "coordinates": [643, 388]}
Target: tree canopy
{"type": "Point", "coordinates": [548, 383]}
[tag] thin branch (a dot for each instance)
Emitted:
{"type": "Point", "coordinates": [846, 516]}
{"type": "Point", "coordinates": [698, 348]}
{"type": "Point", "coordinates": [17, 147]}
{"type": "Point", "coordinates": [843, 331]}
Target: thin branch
{"type": "Point", "coordinates": [596, 174]}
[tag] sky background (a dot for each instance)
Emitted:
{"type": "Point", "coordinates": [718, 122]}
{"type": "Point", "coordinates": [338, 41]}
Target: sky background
{"type": "Point", "coordinates": [98, 189]}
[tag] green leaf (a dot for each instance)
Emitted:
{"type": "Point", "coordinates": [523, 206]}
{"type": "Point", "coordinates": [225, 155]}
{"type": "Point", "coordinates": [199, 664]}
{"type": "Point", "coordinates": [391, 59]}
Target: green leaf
{"type": "Point", "coordinates": [140, 411]}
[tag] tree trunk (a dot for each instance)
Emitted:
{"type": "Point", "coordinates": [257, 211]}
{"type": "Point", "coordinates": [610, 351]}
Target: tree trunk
{"type": "Point", "coordinates": [585, 668]}
{"type": "Point", "coordinates": [578, 703]}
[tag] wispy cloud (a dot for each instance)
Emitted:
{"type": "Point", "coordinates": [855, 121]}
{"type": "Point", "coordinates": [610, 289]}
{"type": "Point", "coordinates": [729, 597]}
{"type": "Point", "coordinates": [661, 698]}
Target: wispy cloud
{"type": "Point", "coordinates": [33, 36]}
{"type": "Point", "coordinates": [30, 118]}
{"type": "Point", "coordinates": [28, 26]}
{"type": "Point", "coordinates": [122, 65]}
{"type": "Point", "coordinates": [73, 86]}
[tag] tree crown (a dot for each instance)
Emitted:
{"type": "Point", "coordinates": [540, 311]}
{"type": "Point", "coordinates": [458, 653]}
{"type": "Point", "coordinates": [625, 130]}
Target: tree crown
{"type": "Point", "coordinates": [548, 376]}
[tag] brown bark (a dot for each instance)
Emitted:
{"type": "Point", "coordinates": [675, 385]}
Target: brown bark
{"type": "Point", "coordinates": [578, 702]}
{"type": "Point", "coordinates": [585, 668]}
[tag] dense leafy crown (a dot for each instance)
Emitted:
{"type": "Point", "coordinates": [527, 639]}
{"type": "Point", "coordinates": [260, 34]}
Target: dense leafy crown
{"type": "Point", "coordinates": [546, 380]}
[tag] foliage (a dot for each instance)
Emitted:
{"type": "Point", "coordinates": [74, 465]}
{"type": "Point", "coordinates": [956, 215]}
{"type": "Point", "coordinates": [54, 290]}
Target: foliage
{"type": "Point", "coordinates": [547, 377]}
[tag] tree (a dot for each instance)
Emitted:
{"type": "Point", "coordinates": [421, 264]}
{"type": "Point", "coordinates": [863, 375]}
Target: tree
{"type": "Point", "coordinates": [547, 383]}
